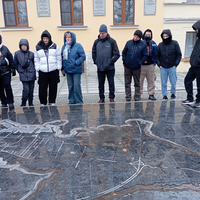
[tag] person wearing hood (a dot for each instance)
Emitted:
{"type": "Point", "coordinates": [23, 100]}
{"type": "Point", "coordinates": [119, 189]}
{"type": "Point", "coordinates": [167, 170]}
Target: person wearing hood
{"type": "Point", "coordinates": [134, 55]}
{"type": "Point", "coordinates": [168, 57]}
{"type": "Point", "coordinates": [194, 70]}
{"type": "Point", "coordinates": [48, 62]}
{"type": "Point", "coordinates": [105, 53]}
{"type": "Point", "coordinates": [148, 67]}
{"type": "Point", "coordinates": [24, 64]}
{"type": "Point", "coordinates": [6, 67]}
{"type": "Point", "coordinates": [73, 55]}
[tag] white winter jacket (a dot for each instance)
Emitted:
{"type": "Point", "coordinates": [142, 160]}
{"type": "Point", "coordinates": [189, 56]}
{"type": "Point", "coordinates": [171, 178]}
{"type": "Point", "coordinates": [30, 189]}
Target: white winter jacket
{"type": "Point", "coordinates": [49, 62]}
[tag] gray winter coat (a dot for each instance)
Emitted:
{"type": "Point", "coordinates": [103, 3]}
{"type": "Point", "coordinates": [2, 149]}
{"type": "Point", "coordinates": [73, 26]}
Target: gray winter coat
{"type": "Point", "coordinates": [24, 63]}
{"type": "Point", "coordinates": [105, 53]}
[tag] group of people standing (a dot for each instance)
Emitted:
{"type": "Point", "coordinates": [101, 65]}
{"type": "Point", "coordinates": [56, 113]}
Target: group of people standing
{"type": "Point", "coordinates": [47, 60]}
{"type": "Point", "coordinates": [139, 56]}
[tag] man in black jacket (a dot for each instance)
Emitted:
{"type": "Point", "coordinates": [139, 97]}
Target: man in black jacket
{"type": "Point", "coordinates": [6, 66]}
{"type": "Point", "coordinates": [194, 71]}
{"type": "Point", "coordinates": [168, 57]}
{"type": "Point", "coordinates": [105, 53]}
{"type": "Point", "coordinates": [133, 56]}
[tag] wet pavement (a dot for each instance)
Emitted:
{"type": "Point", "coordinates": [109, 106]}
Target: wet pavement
{"type": "Point", "coordinates": [138, 150]}
{"type": "Point", "coordinates": [90, 91]}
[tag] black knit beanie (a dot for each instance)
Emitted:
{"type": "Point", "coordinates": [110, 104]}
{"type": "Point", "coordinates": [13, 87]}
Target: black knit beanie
{"type": "Point", "coordinates": [138, 33]}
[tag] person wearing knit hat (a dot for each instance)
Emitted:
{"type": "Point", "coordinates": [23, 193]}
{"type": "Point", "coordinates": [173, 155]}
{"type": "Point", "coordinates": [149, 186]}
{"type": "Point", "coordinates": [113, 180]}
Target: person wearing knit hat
{"type": "Point", "coordinates": [134, 55]}
{"type": "Point", "coordinates": [105, 53]}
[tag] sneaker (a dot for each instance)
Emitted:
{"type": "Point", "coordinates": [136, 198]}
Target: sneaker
{"type": "Point", "coordinates": [128, 100]}
{"type": "Point", "coordinates": [173, 96]}
{"type": "Point", "coordinates": [165, 97]}
{"type": "Point", "coordinates": [42, 105]}
{"type": "Point", "coordinates": [101, 101]}
{"type": "Point", "coordinates": [4, 105]}
{"type": "Point", "coordinates": [52, 104]}
{"type": "Point", "coordinates": [187, 102]}
{"type": "Point", "coordinates": [152, 97]}
{"type": "Point", "coordinates": [112, 100]}
{"type": "Point", "coordinates": [137, 99]}
{"type": "Point", "coordinates": [197, 105]}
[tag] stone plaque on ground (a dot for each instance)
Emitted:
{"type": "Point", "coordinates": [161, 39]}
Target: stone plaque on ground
{"type": "Point", "coordinates": [43, 8]}
{"type": "Point", "coordinates": [149, 7]}
{"type": "Point", "coordinates": [99, 7]}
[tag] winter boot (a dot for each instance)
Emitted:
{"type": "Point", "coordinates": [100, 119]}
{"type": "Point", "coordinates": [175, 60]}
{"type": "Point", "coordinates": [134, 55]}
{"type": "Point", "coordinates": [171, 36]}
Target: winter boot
{"type": "Point", "coordinates": [23, 103]}
{"type": "Point", "coordinates": [30, 102]}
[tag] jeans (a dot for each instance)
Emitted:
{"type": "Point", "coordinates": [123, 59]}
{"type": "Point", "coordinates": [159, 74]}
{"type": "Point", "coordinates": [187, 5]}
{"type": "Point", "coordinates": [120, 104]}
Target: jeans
{"type": "Point", "coordinates": [101, 78]}
{"type": "Point", "coordinates": [74, 86]}
{"type": "Point", "coordinates": [128, 74]}
{"type": "Point", "coordinates": [28, 89]}
{"type": "Point", "coordinates": [189, 78]}
{"type": "Point", "coordinates": [5, 88]}
{"type": "Point", "coordinates": [164, 74]}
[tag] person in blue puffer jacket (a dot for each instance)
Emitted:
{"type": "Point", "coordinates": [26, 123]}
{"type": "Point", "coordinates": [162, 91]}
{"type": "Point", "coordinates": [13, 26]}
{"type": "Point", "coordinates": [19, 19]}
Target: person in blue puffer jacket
{"type": "Point", "coordinates": [73, 55]}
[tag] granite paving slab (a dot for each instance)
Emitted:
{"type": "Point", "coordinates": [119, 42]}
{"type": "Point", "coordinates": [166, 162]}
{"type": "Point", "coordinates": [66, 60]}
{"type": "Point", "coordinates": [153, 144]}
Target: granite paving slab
{"type": "Point", "coordinates": [137, 150]}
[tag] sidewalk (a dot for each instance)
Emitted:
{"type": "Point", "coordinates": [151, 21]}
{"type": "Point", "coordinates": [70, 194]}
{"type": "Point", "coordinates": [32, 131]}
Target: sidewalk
{"type": "Point", "coordinates": [89, 86]}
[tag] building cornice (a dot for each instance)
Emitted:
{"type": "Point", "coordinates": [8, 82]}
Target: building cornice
{"type": "Point", "coordinates": [180, 20]}
{"type": "Point", "coordinates": [16, 28]}
{"type": "Point", "coordinates": [183, 3]}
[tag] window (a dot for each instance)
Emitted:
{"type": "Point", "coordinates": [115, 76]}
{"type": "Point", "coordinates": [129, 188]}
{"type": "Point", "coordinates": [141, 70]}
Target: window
{"type": "Point", "coordinates": [71, 12]}
{"type": "Point", "coordinates": [15, 13]}
{"type": "Point", "coordinates": [189, 43]}
{"type": "Point", "coordinates": [124, 12]}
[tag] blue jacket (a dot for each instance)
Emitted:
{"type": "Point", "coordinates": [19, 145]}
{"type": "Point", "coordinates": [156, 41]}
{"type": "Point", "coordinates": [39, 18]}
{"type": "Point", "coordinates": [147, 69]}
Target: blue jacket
{"type": "Point", "coordinates": [76, 56]}
{"type": "Point", "coordinates": [152, 48]}
{"type": "Point", "coordinates": [134, 54]}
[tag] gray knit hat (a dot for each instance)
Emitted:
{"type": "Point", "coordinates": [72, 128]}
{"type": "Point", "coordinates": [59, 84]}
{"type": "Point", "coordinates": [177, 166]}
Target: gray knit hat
{"type": "Point", "coordinates": [103, 28]}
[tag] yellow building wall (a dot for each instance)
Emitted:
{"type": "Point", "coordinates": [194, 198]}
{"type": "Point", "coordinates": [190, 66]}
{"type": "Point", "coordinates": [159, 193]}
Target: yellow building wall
{"type": "Point", "coordinates": [85, 37]}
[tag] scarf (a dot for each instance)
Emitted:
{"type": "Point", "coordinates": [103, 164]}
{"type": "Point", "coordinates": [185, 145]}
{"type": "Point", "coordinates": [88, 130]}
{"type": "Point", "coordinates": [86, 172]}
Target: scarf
{"type": "Point", "coordinates": [66, 50]}
{"type": "Point", "coordinates": [149, 43]}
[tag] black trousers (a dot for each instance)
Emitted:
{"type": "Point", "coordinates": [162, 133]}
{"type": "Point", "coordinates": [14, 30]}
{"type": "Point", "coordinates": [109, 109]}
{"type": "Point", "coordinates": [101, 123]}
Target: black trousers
{"type": "Point", "coordinates": [28, 89]}
{"type": "Point", "coordinates": [193, 73]}
{"type": "Point", "coordinates": [6, 93]}
{"type": "Point", "coordinates": [101, 78]}
{"type": "Point", "coordinates": [48, 80]}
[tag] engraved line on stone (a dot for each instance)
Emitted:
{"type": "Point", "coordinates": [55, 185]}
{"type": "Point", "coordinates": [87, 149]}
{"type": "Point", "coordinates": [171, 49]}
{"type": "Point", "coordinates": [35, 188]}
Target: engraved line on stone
{"type": "Point", "coordinates": [80, 158]}
{"type": "Point", "coordinates": [59, 148]}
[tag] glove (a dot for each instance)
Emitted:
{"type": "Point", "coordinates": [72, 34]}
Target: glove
{"type": "Point", "coordinates": [13, 71]}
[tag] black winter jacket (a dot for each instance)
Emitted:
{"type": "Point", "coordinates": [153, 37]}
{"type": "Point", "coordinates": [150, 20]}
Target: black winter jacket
{"type": "Point", "coordinates": [134, 54]}
{"type": "Point", "coordinates": [24, 63]}
{"type": "Point", "coordinates": [105, 53]}
{"type": "Point", "coordinates": [195, 56]}
{"type": "Point", "coordinates": [5, 66]}
{"type": "Point", "coordinates": [168, 55]}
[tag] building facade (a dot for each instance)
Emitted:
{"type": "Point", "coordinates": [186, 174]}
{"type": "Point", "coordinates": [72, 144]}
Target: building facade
{"type": "Point", "coordinates": [179, 17]}
{"type": "Point", "coordinates": [29, 18]}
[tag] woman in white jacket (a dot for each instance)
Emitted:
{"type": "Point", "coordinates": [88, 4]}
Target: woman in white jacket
{"type": "Point", "coordinates": [47, 59]}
